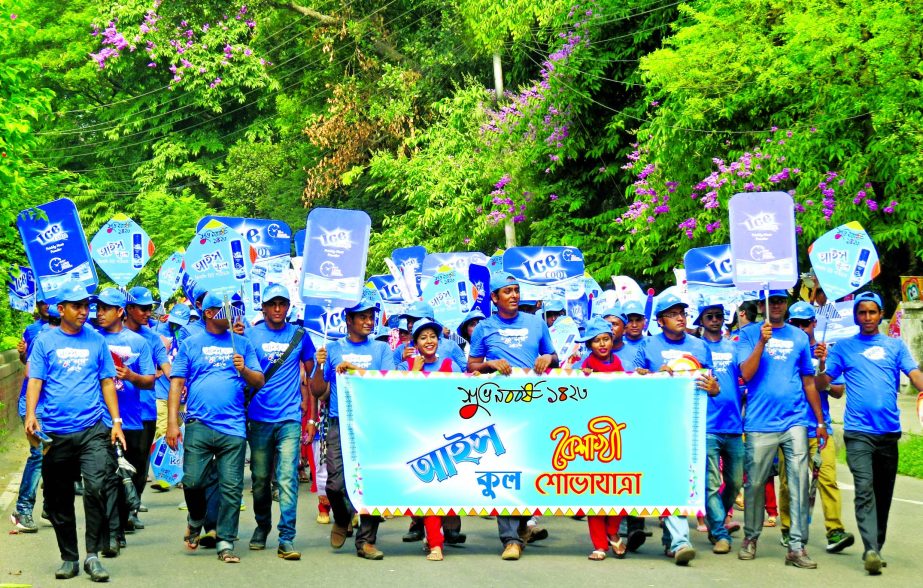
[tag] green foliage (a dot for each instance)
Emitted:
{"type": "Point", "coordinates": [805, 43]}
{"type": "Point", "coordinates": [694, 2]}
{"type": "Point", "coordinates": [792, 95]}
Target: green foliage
{"type": "Point", "coordinates": [910, 457]}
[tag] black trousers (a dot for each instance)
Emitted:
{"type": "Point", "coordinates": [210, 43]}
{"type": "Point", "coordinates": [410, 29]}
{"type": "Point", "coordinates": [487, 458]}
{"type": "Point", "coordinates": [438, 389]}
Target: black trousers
{"type": "Point", "coordinates": [340, 505]}
{"type": "Point", "coordinates": [136, 455]}
{"type": "Point", "coordinates": [86, 454]}
{"type": "Point", "coordinates": [872, 459]}
{"type": "Point", "coordinates": [147, 439]}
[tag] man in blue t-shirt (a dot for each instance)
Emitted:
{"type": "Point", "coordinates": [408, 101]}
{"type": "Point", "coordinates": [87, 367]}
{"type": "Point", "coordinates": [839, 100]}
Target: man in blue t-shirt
{"type": "Point", "coordinates": [775, 363]}
{"type": "Point", "coordinates": [507, 339]}
{"type": "Point", "coordinates": [724, 442]}
{"type": "Point", "coordinates": [71, 371]}
{"type": "Point", "coordinates": [357, 350]}
{"type": "Point", "coordinates": [215, 367]}
{"type": "Point", "coordinates": [823, 459]}
{"type": "Point", "coordinates": [871, 364]}
{"type": "Point", "coordinates": [32, 470]}
{"type": "Point", "coordinates": [134, 371]}
{"type": "Point", "coordinates": [274, 418]}
{"type": "Point", "coordinates": [138, 307]}
{"type": "Point", "coordinates": [662, 353]}
{"type": "Point", "coordinates": [636, 324]}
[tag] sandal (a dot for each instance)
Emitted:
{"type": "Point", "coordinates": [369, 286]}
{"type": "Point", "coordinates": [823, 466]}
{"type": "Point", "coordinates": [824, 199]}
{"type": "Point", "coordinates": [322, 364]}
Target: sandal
{"type": "Point", "coordinates": [435, 554]}
{"type": "Point", "coordinates": [192, 537]}
{"type": "Point", "coordinates": [597, 555]}
{"type": "Point", "coordinates": [618, 548]}
{"type": "Point", "coordinates": [770, 522]}
{"type": "Point", "coordinates": [228, 556]}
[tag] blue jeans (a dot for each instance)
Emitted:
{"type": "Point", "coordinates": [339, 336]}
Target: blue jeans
{"type": "Point", "coordinates": [275, 443]}
{"type": "Point", "coordinates": [31, 476]}
{"type": "Point", "coordinates": [729, 448]}
{"type": "Point", "coordinates": [675, 532]}
{"type": "Point", "coordinates": [760, 450]}
{"type": "Point", "coordinates": [202, 445]}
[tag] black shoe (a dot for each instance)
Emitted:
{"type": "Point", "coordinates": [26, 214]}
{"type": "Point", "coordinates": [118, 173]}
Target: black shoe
{"type": "Point", "coordinates": [636, 539]}
{"type": "Point", "coordinates": [413, 534]}
{"type": "Point", "coordinates": [95, 569]}
{"type": "Point", "coordinates": [68, 570]}
{"type": "Point", "coordinates": [258, 540]}
{"type": "Point", "coordinates": [455, 537]}
{"type": "Point", "coordinates": [113, 549]}
{"type": "Point", "coordinates": [122, 543]}
{"type": "Point", "coordinates": [129, 526]}
{"type": "Point", "coordinates": [136, 522]}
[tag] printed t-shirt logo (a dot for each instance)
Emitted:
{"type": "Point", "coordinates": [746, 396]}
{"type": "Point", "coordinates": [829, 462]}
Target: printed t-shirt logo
{"type": "Point", "coordinates": [779, 349]}
{"type": "Point", "coordinates": [874, 353]}
{"type": "Point", "coordinates": [71, 359]}
{"type": "Point", "coordinates": [274, 350]}
{"type": "Point", "coordinates": [513, 338]}
{"type": "Point", "coordinates": [218, 356]}
{"type": "Point", "coordinates": [721, 361]}
{"type": "Point", "coordinates": [362, 361]}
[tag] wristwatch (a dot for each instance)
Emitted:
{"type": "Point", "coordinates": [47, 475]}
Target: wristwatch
{"type": "Point", "coordinates": [119, 421]}
{"type": "Point", "coordinates": [822, 426]}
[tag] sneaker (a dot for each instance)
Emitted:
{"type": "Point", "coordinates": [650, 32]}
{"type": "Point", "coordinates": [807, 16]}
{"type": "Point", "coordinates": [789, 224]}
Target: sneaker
{"type": "Point", "coordinates": [287, 551]}
{"type": "Point", "coordinates": [24, 522]}
{"type": "Point", "coordinates": [684, 555]}
{"type": "Point", "coordinates": [258, 540]}
{"type": "Point", "coordinates": [369, 551]}
{"type": "Point", "coordinates": [873, 563]}
{"type": "Point", "coordinates": [838, 540]}
{"type": "Point", "coordinates": [323, 518]}
{"type": "Point", "coordinates": [722, 546]}
{"type": "Point", "coordinates": [511, 552]}
{"type": "Point", "coordinates": [747, 550]}
{"type": "Point", "coordinates": [800, 559]}
{"type": "Point", "coordinates": [785, 539]}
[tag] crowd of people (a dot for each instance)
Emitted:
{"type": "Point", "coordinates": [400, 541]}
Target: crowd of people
{"type": "Point", "coordinates": [103, 387]}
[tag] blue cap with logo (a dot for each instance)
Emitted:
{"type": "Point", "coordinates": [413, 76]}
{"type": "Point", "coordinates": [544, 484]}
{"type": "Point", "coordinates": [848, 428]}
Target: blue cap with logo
{"type": "Point", "coordinates": [179, 314]}
{"type": "Point", "coordinates": [72, 291]}
{"type": "Point", "coordinates": [595, 326]}
{"type": "Point", "coordinates": [865, 297]}
{"type": "Point", "coordinates": [112, 297]}
{"type": "Point", "coordinates": [417, 310]}
{"type": "Point", "coordinates": [615, 311]}
{"type": "Point", "coordinates": [215, 301]}
{"type": "Point", "coordinates": [502, 280]}
{"type": "Point", "coordinates": [777, 294]}
{"type": "Point", "coordinates": [140, 296]}
{"type": "Point", "coordinates": [705, 305]}
{"type": "Point", "coordinates": [667, 301]}
{"type": "Point", "coordinates": [801, 311]}
{"type": "Point", "coordinates": [554, 305]}
{"type": "Point", "coordinates": [630, 307]}
{"type": "Point", "coordinates": [276, 291]}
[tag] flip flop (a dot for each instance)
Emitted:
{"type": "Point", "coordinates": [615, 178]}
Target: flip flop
{"type": "Point", "coordinates": [228, 556]}
{"type": "Point", "coordinates": [192, 537]}
{"type": "Point", "coordinates": [435, 554]}
{"type": "Point", "coordinates": [597, 555]}
{"type": "Point", "coordinates": [618, 548]}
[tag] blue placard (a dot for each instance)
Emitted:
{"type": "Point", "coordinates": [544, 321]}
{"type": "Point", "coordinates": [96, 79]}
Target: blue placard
{"type": "Point", "coordinates": [219, 260]}
{"type": "Point", "coordinates": [299, 242]}
{"type": "Point", "coordinates": [21, 288]}
{"type": "Point", "coordinates": [709, 266]}
{"type": "Point", "coordinates": [269, 238]}
{"type": "Point", "coordinates": [479, 276]}
{"type": "Point", "coordinates": [166, 463]}
{"type": "Point", "coordinates": [317, 318]}
{"type": "Point", "coordinates": [450, 296]}
{"type": "Point", "coordinates": [495, 263]}
{"type": "Point", "coordinates": [170, 275]}
{"type": "Point", "coordinates": [387, 288]}
{"type": "Point", "coordinates": [410, 259]}
{"type": "Point", "coordinates": [121, 248]}
{"type": "Point", "coordinates": [523, 442]}
{"type": "Point", "coordinates": [459, 261]}
{"type": "Point", "coordinates": [336, 251]}
{"type": "Point", "coordinates": [844, 260]}
{"type": "Point", "coordinates": [56, 247]}
{"type": "Point", "coordinates": [543, 265]}
{"type": "Point", "coordinates": [762, 226]}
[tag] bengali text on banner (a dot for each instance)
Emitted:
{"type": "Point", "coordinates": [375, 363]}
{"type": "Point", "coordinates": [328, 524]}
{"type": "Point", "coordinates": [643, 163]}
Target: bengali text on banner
{"type": "Point", "coordinates": [431, 443]}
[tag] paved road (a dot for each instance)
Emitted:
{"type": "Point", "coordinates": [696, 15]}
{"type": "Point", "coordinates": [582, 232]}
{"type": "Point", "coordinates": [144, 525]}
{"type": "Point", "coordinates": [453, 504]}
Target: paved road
{"type": "Point", "coordinates": [156, 555]}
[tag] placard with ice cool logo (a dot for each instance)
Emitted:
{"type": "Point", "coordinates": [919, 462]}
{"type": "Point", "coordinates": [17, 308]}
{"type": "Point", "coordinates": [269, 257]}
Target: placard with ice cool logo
{"type": "Point", "coordinates": [21, 288]}
{"type": "Point", "coordinates": [219, 259]}
{"type": "Point", "coordinates": [121, 248]}
{"type": "Point", "coordinates": [336, 251]}
{"type": "Point", "coordinates": [763, 240]}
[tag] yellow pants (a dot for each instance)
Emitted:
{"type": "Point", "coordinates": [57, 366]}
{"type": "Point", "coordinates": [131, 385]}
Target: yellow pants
{"type": "Point", "coordinates": [161, 427]}
{"type": "Point", "coordinates": [826, 486]}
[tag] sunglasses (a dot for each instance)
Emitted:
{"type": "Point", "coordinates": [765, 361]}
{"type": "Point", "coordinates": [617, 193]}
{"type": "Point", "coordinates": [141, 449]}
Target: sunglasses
{"type": "Point", "coordinates": [713, 316]}
{"type": "Point", "coordinates": [800, 323]}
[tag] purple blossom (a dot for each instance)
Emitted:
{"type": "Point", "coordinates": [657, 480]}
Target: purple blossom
{"type": "Point", "coordinates": [13, 16]}
{"type": "Point", "coordinates": [152, 64]}
{"type": "Point", "coordinates": [466, 240]}
{"type": "Point", "coordinates": [552, 197]}
{"type": "Point", "coordinates": [873, 206]}
{"type": "Point", "coordinates": [712, 227]}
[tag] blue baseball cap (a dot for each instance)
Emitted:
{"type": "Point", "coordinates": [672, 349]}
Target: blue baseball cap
{"type": "Point", "coordinates": [72, 291]}
{"type": "Point", "coordinates": [865, 297]}
{"type": "Point", "coordinates": [777, 294]}
{"type": "Point", "coordinates": [276, 291]}
{"type": "Point", "coordinates": [214, 301]}
{"type": "Point", "coordinates": [381, 333]}
{"type": "Point", "coordinates": [198, 291]}
{"type": "Point", "coordinates": [112, 297]}
{"type": "Point", "coordinates": [554, 305]}
{"type": "Point", "coordinates": [53, 311]}
{"type": "Point", "coordinates": [615, 311]}
{"type": "Point", "coordinates": [667, 301]}
{"type": "Point", "coordinates": [141, 296]}
{"type": "Point", "coordinates": [594, 327]}
{"type": "Point", "coordinates": [417, 328]}
{"type": "Point", "coordinates": [417, 310]}
{"type": "Point", "coordinates": [502, 280]}
{"type": "Point", "coordinates": [179, 314]}
{"type": "Point", "coordinates": [402, 325]}
{"type": "Point", "coordinates": [801, 311]}
{"type": "Point", "coordinates": [474, 314]}
{"type": "Point", "coordinates": [703, 306]}
{"type": "Point", "coordinates": [630, 307]}
{"type": "Point", "coordinates": [364, 304]}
